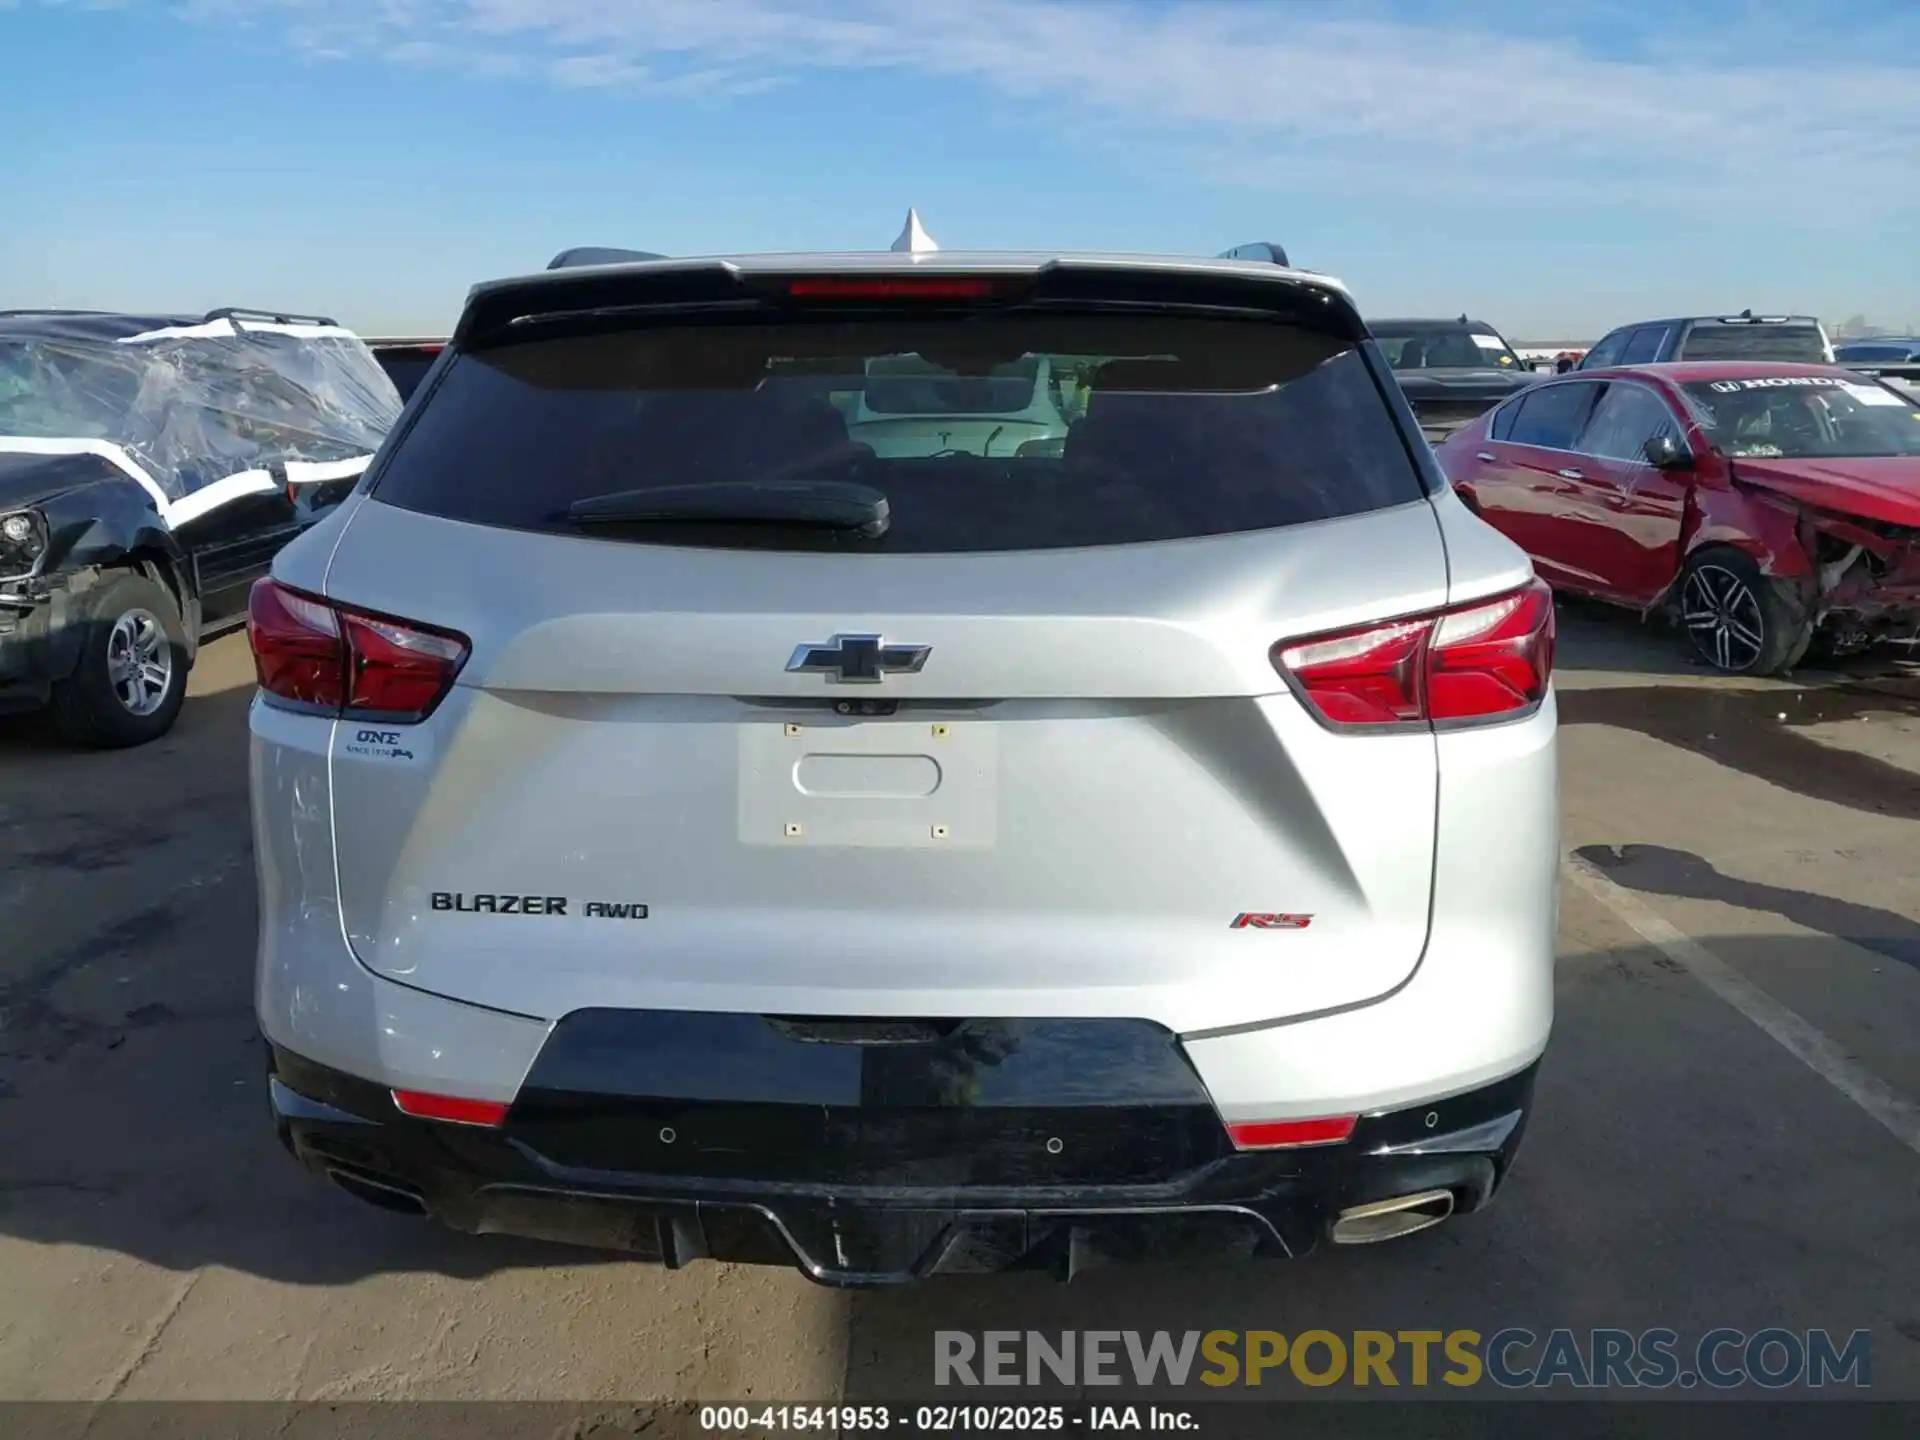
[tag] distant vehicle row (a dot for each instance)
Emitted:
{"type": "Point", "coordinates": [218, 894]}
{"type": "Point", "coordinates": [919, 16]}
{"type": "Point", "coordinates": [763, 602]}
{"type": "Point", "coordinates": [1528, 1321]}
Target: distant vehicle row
{"type": "Point", "coordinates": [1454, 370]}
{"type": "Point", "coordinates": [1451, 370]}
{"type": "Point", "coordinates": [151, 466]}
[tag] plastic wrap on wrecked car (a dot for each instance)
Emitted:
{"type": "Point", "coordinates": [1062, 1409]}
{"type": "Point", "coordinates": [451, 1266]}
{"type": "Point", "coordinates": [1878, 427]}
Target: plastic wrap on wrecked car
{"type": "Point", "coordinates": [194, 410]}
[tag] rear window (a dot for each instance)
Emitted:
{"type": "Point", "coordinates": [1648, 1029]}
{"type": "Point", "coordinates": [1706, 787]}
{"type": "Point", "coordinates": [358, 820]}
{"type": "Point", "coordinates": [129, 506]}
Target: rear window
{"type": "Point", "coordinates": [1798, 343]}
{"type": "Point", "coordinates": [1148, 428]}
{"type": "Point", "coordinates": [1439, 345]}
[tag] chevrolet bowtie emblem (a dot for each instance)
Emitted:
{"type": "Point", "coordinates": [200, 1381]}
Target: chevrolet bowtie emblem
{"type": "Point", "coordinates": [858, 659]}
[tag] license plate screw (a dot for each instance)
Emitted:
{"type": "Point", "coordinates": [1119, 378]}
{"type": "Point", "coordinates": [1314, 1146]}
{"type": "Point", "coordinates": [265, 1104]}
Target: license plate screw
{"type": "Point", "coordinates": [794, 830]}
{"type": "Point", "coordinates": [940, 732]}
{"type": "Point", "coordinates": [667, 1137]}
{"type": "Point", "coordinates": [792, 730]}
{"type": "Point", "coordinates": [1054, 1146]}
{"type": "Point", "coordinates": [939, 832]}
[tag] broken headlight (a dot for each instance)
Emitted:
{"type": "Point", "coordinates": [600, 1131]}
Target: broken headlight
{"type": "Point", "coordinates": [23, 540]}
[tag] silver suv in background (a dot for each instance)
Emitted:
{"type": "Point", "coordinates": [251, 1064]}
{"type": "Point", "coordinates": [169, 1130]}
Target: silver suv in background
{"type": "Point", "coordinates": [684, 828]}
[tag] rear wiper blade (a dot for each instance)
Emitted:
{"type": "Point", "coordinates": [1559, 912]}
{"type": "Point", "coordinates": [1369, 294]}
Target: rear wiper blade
{"type": "Point", "coordinates": [815, 504]}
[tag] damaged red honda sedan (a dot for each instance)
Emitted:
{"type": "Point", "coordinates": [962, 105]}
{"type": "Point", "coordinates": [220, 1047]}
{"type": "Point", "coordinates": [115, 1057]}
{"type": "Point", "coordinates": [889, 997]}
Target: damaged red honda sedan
{"type": "Point", "coordinates": [1771, 506]}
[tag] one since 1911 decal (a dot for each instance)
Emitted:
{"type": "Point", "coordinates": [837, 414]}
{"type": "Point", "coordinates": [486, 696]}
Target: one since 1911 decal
{"type": "Point", "coordinates": [365, 744]}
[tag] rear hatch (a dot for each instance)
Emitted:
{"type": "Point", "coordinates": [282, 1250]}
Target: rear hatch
{"type": "Point", "coordinates": [1021, 752]}
{"type": "Point", "coordinates": [1757, 338]}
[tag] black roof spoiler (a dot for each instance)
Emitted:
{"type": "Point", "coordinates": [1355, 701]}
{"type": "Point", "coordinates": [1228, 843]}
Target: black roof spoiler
{"type": "Point", "coordinates": [496, 309]}
{"type": "Point", "coordinates": [598, 255]}
{"type": "Point", "coordinates": [1265, 250]}
{"type": "Point", "coordinates": [272, 317]}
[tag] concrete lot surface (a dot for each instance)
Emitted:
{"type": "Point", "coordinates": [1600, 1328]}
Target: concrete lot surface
{"type": "Point", "coordinates": [1725, 1132]}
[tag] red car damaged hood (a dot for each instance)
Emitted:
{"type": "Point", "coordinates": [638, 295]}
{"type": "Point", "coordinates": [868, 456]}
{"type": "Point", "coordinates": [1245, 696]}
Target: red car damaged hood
{"type": "Point", "coordinates": [1883, 488]}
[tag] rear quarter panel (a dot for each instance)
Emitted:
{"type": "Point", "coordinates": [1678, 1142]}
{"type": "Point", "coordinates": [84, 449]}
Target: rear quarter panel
{"type": "Point", "coordinates": [1479, 1005]}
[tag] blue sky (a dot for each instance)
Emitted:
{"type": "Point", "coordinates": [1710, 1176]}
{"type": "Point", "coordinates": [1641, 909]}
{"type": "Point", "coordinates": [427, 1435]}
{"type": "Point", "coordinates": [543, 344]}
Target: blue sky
{"type": "Point", "coordinates": [1553, 167]}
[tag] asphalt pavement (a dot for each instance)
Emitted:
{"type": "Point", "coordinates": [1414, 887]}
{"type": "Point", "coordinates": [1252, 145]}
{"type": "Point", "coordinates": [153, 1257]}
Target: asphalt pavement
{"type": "Point", "coordinates": [1725, 1135]}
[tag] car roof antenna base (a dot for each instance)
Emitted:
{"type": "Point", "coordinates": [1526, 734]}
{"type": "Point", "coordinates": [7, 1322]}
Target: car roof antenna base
{"type": "Point", "coordinates": [914, 239]}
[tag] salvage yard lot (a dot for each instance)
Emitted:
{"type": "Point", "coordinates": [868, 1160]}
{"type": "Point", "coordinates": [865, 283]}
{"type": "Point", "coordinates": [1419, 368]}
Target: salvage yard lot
{"type": "Point", "coordinates": [1683, 1168]}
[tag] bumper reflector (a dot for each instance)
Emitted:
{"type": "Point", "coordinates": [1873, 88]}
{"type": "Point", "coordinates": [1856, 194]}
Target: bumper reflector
{"type": "Point", "coordinates": [490, 1113]}
{"type": "Point", "coordinates": [1287, 1134]}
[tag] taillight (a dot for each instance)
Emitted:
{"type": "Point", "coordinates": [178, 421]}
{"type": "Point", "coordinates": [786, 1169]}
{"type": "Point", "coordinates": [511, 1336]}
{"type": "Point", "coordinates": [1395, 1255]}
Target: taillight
{"type": "Point", "coordinates": [298, 652]}
{"type": "Point", "coordinates": [316, 655]}
{"type": "Point", "coordinates": [1291, 1134]}
{"type": "Point", "coordinates": [1473, 662]}
{"type": "Point", "coordinates": [1493, 657]}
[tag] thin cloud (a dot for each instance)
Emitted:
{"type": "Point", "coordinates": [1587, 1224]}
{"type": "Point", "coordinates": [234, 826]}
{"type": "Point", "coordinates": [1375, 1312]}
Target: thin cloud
{"type": "Point", "coordinates": [1355, 95]}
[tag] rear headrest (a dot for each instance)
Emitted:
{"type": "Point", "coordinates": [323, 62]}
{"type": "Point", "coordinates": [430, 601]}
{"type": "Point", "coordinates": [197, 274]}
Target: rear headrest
{"type": "Point", "coordinates": [1136, 375]}
{"type": "Point", "coordinates": [812, 427]}
{"type": "Point", "coordinates": [1209, 428]}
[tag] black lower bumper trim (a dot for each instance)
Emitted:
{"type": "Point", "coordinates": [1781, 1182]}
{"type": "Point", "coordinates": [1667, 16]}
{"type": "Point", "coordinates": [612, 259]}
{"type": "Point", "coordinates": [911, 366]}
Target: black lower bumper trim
{"type": "Point", "coordinates": [39, 639]}
{"type": "Point", "coordinates": [895, 1181]}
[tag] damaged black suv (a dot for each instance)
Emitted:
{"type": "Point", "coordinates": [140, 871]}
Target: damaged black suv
{"type": "Point", "coordinates": [150, 469]}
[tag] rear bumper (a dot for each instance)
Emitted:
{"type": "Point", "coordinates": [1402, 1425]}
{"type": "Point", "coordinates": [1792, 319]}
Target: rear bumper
{"type": "Point", "coordinates": [1004, 1163]}
{"type": "Point", "coordinates": [1474, 1014]}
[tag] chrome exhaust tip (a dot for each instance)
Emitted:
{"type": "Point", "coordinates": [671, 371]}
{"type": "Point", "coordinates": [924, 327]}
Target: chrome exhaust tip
{"type": "Point", "coordinates": [1390, 1219]}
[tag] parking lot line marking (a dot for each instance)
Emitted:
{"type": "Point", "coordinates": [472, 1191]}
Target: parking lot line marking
{"type": "Point", "coordinates": [168, 1314]}
{"type": "Point", "coordinates": [1811, 1046]}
